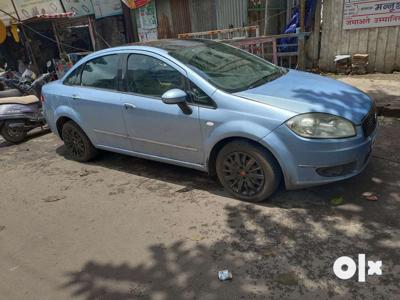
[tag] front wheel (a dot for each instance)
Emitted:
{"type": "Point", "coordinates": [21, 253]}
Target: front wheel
{"type": "Point", "coordinates": [248, 171]}
{"type": "Point", "coordinates": [12, 134]}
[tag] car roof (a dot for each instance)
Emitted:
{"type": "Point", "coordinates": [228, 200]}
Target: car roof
{"type": "Point", "coordinates": [167, 45]}
{"type": "Point", "coordinates": [176, 44]}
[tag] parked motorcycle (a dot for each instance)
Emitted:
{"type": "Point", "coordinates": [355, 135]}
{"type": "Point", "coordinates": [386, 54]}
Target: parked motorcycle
{"type": "Point", "coordinates": [20, 114]}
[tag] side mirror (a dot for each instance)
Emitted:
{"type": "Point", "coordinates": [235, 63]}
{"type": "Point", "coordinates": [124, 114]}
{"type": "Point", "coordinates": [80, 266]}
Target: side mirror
{"type": "Point", "coordinates": [178, 97]}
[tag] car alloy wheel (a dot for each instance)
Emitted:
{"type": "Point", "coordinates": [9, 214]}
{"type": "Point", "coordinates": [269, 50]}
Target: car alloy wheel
{"type": "Point", "coordinates": [243, 174]}
{"type": "Point", "coordinates": [248, 171]}
{"type": "Point", "coordinates": [77, 143]}
{"type": "Point", "coordinates": [74, 143]}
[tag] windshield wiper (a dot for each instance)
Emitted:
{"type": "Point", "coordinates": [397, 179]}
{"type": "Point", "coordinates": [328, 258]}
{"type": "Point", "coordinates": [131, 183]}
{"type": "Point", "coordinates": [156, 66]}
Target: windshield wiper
{"type": "Point", "coordinates": [265, 79]}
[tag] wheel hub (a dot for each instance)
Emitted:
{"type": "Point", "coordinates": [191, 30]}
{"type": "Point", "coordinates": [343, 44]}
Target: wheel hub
{"type": "Point", "coordinates": [243, 174]}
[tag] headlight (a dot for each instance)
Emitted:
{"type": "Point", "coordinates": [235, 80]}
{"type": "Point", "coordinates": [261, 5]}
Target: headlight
{"type": "Point", "coordinates": [321, 126]}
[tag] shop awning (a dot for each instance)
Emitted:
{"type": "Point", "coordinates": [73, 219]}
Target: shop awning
{"type": "Point", "coordinates": [51, 16]}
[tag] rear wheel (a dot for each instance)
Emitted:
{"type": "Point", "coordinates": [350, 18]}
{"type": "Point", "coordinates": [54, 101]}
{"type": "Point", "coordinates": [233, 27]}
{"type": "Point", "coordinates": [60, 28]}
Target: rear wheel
{"type": "Point", "coordinates": [77, 143]}
{"type": "Point", "coordinates": [12, 134]}
{"type": "Point", "coordinates": [247, 171]}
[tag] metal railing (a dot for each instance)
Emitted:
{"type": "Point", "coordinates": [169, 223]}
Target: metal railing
{"type": "Point", "coordinates": [272, 48]}
{"type": "Point", "coordinates": [222, 34]}
{"type": "Point", "coordinates": [280, 49]}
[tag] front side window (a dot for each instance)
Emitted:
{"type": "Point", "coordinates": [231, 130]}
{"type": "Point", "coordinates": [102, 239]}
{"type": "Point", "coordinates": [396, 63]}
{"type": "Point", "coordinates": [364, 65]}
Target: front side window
{"type": "Point", "coordinates": [150, 76]}
{"type": "Point", "coordinates": [226, 67]}
{"type": "Point", "coordinates": [101, 72]}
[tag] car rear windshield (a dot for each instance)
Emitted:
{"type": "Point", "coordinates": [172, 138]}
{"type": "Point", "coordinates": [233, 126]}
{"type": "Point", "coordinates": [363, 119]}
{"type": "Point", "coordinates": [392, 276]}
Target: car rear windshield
{"type": "Point", "coordinates": [226, 67]}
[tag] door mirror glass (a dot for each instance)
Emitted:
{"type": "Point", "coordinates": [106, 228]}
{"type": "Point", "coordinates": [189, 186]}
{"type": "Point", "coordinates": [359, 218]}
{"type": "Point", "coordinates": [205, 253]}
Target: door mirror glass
{"type": "Point", "coordinates": [174, 96]}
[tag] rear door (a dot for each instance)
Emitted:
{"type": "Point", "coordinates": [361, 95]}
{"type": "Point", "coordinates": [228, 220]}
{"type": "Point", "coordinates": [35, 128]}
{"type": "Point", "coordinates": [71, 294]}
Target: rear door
{"type": "Point", "coordinates": [99, 102]}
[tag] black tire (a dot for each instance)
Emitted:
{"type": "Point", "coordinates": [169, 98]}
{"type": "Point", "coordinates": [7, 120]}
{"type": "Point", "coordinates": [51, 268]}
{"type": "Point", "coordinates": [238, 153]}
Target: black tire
{"type": "Point", "coordinates": [248, 171]}
{"type": "Point", "coordinates": [11, 135]}
{"type": "Point", "coordinates": [78, 145]}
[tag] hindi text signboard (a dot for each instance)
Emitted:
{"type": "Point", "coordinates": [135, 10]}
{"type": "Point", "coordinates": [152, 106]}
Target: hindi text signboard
{"type": "Point", "coordinates": [368, 14]}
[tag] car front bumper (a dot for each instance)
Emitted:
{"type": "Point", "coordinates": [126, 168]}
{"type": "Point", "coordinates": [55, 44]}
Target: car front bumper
{"type": "Point", "coordinates": [311, 162]}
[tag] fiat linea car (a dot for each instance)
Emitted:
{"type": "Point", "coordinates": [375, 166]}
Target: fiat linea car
{"type": "Point", "coordinates": [215, 108]}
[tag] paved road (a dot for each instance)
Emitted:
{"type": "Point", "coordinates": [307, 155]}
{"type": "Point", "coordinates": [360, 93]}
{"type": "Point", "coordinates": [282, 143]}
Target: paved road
{"type": "Point", "coordinates": [126, 228]}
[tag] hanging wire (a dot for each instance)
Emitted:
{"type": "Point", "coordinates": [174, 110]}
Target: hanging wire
{"type": "Point", "coordinates": [54, 41]}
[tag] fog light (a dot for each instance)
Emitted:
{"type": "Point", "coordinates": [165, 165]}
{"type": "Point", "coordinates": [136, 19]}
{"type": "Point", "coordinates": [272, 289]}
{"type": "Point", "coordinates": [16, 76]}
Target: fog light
{"type": "Point", "coordinates": [337, 170]}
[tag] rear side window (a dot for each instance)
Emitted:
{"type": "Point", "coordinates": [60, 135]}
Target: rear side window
{"type": "Point", "coordinates": [74, 78]}
{"type": "Point", "coordinates": [101, 72]}
{"type": "Point", "coordinates": [152, 77]}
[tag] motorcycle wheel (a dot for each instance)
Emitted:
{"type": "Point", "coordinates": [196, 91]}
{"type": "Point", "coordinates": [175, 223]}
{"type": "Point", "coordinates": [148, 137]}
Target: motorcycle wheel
{"type": "Point", "coordinates": [13, 135]}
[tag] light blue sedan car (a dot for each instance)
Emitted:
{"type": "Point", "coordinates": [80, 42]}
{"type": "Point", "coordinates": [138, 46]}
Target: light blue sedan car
{"type": "Point", "coordinates": [214, 108]}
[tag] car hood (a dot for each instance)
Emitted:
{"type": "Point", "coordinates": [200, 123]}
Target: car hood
{"type": "Point", "coordinates": [302, 92]}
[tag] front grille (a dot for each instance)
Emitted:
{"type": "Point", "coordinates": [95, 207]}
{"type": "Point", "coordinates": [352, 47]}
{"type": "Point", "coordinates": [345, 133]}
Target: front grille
{"type": "Point", "coordinates": [370, 122]}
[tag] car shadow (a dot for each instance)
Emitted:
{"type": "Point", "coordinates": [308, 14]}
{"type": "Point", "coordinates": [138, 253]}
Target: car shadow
{"type": "Point", "coordinates": [190, 179]}
{"type": "Point", "coordinates": [372, 180]}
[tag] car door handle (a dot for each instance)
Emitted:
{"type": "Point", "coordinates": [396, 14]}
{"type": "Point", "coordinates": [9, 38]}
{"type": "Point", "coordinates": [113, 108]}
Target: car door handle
{"type": "Point", "coordinates": [75, 97]}
{"type": "Point", "coordinates": [129, 106]}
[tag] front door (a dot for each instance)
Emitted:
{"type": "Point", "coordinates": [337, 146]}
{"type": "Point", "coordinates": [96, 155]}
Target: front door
{"type": "Point", "coordinates": [155, 128]}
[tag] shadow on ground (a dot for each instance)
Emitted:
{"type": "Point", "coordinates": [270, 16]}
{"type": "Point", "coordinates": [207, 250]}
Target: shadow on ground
{"type": "Point", "coordinates": [269, 257]}
{"type": "Point", "coordinates": [281, 248]}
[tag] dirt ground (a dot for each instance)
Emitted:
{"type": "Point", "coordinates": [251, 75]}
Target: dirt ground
{"type": "Point", "coordinates": [126, 228]}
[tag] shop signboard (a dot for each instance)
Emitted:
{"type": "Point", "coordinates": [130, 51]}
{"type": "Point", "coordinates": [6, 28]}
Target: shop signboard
{"type": "Point", "coordinates": [369, 14]}
{"type": "Point", "coordinates": [79, 7]}
{"type": "Point", "coordinates": [146, 20]}
{"type": "Point", "coordinates": [133, 4]}
{"type": "Point", "coordinates": [29, 8]}
{"type": "Point", "coordinates": [7, 6]}
{"type": "Point", "coordinates": [106, 8]}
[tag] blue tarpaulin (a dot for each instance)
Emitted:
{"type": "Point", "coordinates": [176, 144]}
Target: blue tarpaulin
{"type": "Point", "coordinates": [283, 44]}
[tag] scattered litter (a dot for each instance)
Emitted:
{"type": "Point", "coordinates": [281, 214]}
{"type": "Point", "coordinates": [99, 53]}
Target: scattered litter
{"type": "Point", "coordinates": [370, 196]}
{"type": "Point", "coordinates": [54, 198]}
{"type": "Point", "coordinates": [185, 190]}
{"type": "Point", "coordinates": [341, 57]}
{"type": "Point", "coordinates": [269, 253]}
{"type": "Point", "coordinates": [287, 279]}
{"type": "Point", "coordinates": [13, 268]}
{"type": "Point", "coordinates": [197, 238]}
{"type": "Point", "coordinates": [337, 201]}
{"type": "Point", "coordinates": [84, 173]}
{"type": "Point", "coordinates": [224, 275]}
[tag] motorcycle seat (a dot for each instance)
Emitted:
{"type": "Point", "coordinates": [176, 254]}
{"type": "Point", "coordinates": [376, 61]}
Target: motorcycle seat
{"type": "Point", "coordinates": [24, 100]}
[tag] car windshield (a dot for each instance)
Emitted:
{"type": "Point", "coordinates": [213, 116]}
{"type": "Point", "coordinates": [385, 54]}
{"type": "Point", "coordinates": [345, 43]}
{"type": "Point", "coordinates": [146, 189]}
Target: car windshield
{"type": "Point", "coordinates": [226, 67]}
